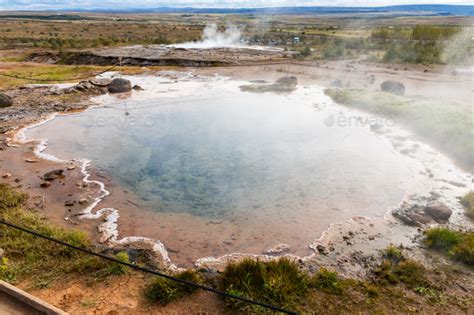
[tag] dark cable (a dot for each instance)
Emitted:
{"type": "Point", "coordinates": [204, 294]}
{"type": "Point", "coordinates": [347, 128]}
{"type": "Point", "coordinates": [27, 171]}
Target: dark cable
{"type": "Point", "coordinates": [154, 272]}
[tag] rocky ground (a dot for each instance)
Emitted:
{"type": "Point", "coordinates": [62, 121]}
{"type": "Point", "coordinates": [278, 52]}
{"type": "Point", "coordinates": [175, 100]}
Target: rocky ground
{"type": "Point", "coordinates": [159, 55]}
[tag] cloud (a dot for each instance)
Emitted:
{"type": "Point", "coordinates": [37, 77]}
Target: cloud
{"type": "Point", "coordinates": [144, 4]}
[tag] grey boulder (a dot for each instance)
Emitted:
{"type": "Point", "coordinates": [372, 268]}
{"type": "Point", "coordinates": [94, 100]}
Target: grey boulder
{"type": "Point", "coordinates": [439, 212]}
{"type": "Point", "coordinates": [119, 85]}
{"type": "Point", "coordinates": [5, 100]}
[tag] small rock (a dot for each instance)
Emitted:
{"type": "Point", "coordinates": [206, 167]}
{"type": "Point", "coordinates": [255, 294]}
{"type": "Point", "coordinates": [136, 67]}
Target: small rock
{"type": "Point", "coordinates": [45, 184]}
{"type": "Point", "coordinates": [289, 81]}
{"type": "Point", "coordinates": [279, 249]}
{"type": "Point", "coordinates": [439, 212]}
{"type": "Point", "coordinates": [83, 201]}
{"type": "Point", "coordinates": [5, 100]}
{"type": "Point", "coordinates": [6, 175]}
{"type": "Point", "coordinates": [371, 237]}
{"type": "Point", "coordinates": [322, 249]}
{"type": "Point", "coordinates": [71, 167]}
{"type": "Point", "coordinates": [69, 203]}
{"type": "Point", "coordinates": [393, 87]}
{"type": "Point", "coordinates": [119, 85]}
{"type": "Point", "coordinates": [83, 86]}
{"type": "Point", "coordinates": [137, 88]}
{"type": "Point", "coordinates": [100, 82]}
{"type": "Point", "coordinates": [31, 161]}
{"type": "Point", "coordinates": [52, 175]}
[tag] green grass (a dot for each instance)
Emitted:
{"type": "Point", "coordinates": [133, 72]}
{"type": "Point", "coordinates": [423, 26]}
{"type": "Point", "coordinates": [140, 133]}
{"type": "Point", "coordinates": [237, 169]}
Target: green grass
{"type": "Point", "coordinates": [458, 245]}
{"type": "Point", "coordinates": [468, 202]}
{"type": "Point", "coordinates": [442, 238]}
{"type": "Point", "coordinates": [48, 73]}
{"type": "Point", "coordinates": [51, 74]}
{"type": "Point", "coordinates": [119, 269]}
{"type": "Point", "coordinates": [278, 282]}
{"type": "Point", "coordinates": [447, 126]}
{"type": "Point", "coordinates": [327, 281]}
{"type": "Point", "coordinates": [164, 291]}
{"type": "Point", "coordinates": [28, 255]}
{"type": "Point", "coordinates": [407, 272]}
{"type": "Point", "coordinates": [393, 253]}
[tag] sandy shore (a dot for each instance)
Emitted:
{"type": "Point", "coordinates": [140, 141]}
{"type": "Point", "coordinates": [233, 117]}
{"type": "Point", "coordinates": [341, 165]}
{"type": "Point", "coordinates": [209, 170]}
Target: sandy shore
{"type": "Point", "coordinates": [349, 246]}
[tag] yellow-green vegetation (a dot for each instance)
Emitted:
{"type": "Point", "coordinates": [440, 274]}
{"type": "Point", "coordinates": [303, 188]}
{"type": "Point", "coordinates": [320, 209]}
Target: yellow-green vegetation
{"type": "Point", "coordinates": [395, 268]}
{"type": "Point", "coordinates": [164, 291]}
{"type": "Point", "coordinates": [468, 202]}
{"type": "Point", "coordinates": [327, 281]}
{"type": "Point", "coordinates": [419, 32]}
{"type": "Point", "coordinates": [85, 32]}
{"type": "Point", "coordinates": [278, 282]}
{"type": "Point", "coordinates": [448, 126]}
{"type": "Point", "coordinates": [427, 44]}
{"type": "Point", "coordinates": [393, 253]}
{"type": "Point", "coordinates": [27, 255]}
{"type": "Point", "coordinates": [458, 245]}
{"type": "Point", "coordinates": [119, 269]}
{"type": "Point", "coordinates": [50, 74]}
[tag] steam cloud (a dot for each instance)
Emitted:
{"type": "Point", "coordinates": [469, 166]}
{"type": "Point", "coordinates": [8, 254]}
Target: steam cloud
{"type": "Point", "coordinates": [213, 38]}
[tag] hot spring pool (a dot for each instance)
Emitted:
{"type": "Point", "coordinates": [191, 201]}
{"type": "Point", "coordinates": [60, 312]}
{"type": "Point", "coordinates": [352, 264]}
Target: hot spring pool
{"type": "Point", "coordinates": [291, 163]}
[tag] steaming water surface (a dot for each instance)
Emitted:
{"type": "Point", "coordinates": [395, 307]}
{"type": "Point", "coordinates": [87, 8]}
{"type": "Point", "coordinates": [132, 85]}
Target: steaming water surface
{"type": "Point", "coordinates": [207, 149]}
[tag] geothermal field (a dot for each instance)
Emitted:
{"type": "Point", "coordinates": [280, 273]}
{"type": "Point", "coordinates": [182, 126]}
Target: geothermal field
{"type": "Point", "coordinates": [301, 161]}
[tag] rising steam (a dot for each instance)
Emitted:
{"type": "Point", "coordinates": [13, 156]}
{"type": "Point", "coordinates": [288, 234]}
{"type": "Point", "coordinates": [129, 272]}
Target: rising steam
{"type": "Point", "coordinates": [213, 38]}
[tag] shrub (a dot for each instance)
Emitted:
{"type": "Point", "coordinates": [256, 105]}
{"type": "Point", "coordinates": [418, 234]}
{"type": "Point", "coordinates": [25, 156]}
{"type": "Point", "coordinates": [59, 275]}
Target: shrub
{"type": "Point", "coordinates": [278, 282]}
{"type": "Point", "coordinates": [9, 199]}
{"type": "Point", "coordinates": [468, 202]}
{"type": "Point", "coordinates": [411, 273]}
{"type": "Point", "coordinates": [464, 251]}
{"type": "Point", "coordinates": [393, 253]}
{"type": "Point", "coordinates": [119, 269]}
{"type": "Point", "coordinates": [458, 245]}
{"type": "Point", "coordinates": [442, 238]}
{"type": "Point", "coordinates": [395, 268]}
{"type": "Point", "coordinates": [306, 52]}
{"type": "Point", "coordinates": [327, 281]}
{"type": "Point", "coordinates": [164, 291]}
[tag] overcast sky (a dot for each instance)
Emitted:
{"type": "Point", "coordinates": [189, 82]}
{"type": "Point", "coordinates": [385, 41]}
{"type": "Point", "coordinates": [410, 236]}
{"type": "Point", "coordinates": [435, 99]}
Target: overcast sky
{"type": "Point", "coordinates": [124, 4]}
